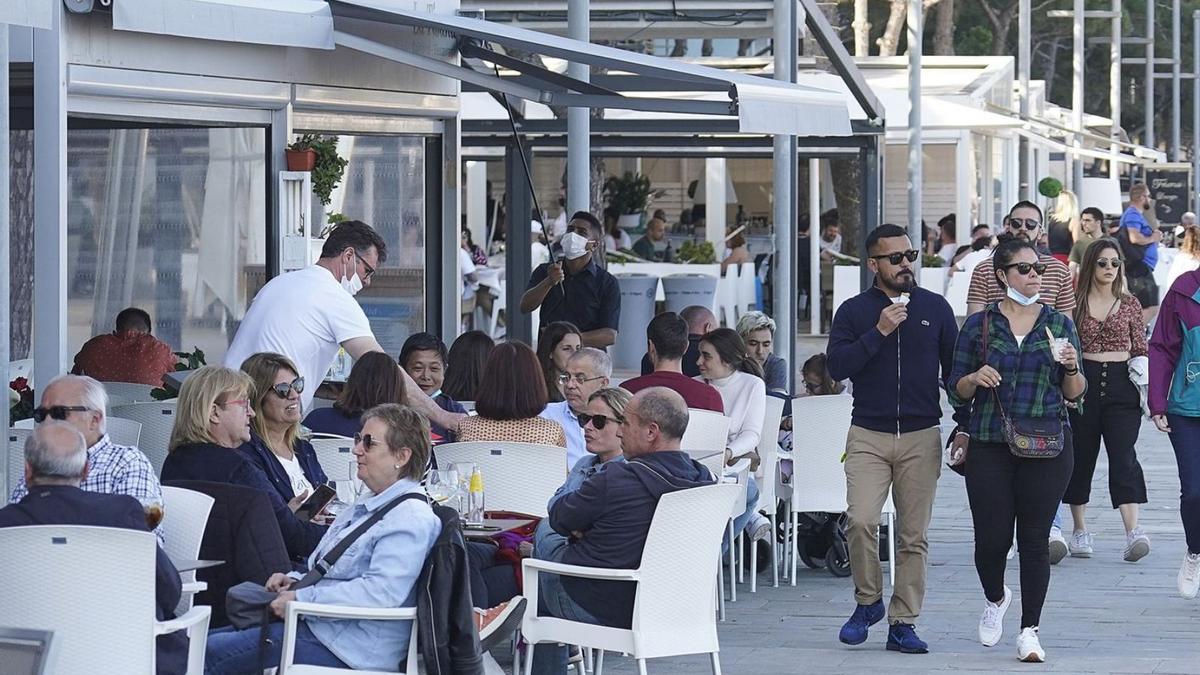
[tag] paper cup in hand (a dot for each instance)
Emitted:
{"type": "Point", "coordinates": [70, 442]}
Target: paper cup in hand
{"type": "Point", "coordinates": [1057, 345]}
{"type": "Point", "coordinates": [901, 299]}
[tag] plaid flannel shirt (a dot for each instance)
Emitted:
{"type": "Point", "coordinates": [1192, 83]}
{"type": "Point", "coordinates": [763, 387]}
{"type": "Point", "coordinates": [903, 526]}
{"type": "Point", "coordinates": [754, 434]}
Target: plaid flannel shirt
{"type": "Point", "coordinates": [1031, 379]}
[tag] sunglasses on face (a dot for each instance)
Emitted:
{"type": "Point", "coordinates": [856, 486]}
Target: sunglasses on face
{"type": "Point", "coordinates": [283, 389]}
{"type": "Point", "coordinates": [56, 412]}
{"type": "Point", "coordinates": [1037, 268]}
{"type": "Point", "coordinates": [366, 441]}
{"type": "Point", "coordinates": [1028, 223]}
{"type": "Point", "coordinates": [895, 258]}
{"type": "Point", "coordinates": [1105, 263]}
{"type": "Point", "coordinates": [598, 421]}
{"type": "Point", "coordinates": [367, 265]}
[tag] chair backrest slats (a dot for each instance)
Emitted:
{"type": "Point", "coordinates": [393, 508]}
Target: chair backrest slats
{"type": "Point", "coordinates": [157, 420]}
{"type": "Point", "coordinates": [185, 517]}
{"type": "Point", "coordinates": [334, 456]}
{"type": "Point", "coordinates": [818, 474]}
{"type": "Point", "coordinates": [707, 431]}
{"type": "Point", "coordinates": [518, 477]}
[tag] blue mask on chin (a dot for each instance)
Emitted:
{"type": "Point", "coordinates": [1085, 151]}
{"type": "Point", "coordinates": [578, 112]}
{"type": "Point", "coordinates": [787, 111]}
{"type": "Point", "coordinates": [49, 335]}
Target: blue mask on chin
{"type": "Point", "coordinates": [1022, 299]}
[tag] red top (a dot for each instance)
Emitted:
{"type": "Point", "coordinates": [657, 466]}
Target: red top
{"type": "Point", "coordinates": [695, 393]}
{"type": "Point", "coordinates": [126, 357]}
{"type": "Point", "coordinates": [1124, 330]}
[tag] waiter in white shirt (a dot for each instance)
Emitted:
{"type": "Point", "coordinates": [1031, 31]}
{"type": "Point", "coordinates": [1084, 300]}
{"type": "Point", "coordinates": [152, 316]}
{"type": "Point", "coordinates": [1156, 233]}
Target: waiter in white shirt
{"type": "Point", "coordinates": [308, 314]}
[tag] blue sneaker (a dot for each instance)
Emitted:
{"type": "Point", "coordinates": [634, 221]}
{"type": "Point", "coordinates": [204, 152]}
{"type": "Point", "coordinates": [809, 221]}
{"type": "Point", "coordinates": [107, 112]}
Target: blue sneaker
{"type": "Point", "coordinates": [854, 631]}
{"type": "Point", "coordinates": [902, 637]}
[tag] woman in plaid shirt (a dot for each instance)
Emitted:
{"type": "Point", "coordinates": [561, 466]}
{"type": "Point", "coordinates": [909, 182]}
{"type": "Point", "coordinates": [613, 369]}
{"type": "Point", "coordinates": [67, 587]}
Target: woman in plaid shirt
{"type": "Point", "coordinates": [1022, 372]}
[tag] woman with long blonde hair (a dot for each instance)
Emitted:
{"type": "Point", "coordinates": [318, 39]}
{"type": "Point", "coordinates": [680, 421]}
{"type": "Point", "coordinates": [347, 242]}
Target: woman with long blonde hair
{"type": "Point", "coordinates": [1188, 257]}
{"type": "Point", "coordinates": [1062, 226]}
{"type": "Point", "coordinates": [1111, 334]}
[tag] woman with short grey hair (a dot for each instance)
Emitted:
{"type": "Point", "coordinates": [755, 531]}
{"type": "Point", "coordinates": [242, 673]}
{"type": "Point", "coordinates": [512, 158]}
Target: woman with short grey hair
{"type": "Point", "coordinates": [757, 330]}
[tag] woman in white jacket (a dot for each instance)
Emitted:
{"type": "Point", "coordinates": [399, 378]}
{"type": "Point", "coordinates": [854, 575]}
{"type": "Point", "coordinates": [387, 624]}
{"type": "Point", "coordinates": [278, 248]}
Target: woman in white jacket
{"type": "Point", "coordinates": [725, 364]}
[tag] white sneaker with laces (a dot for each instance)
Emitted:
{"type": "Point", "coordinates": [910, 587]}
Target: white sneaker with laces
{"type": "Point", "coordinates": [758, 528]}
{"type": "Point", "coordinates": [1080, 544]}
{"type": "Point", "coordinates": [1029, 648]}
{"type": "Point", "coordinates": [1058, 546]}
{"type": "Point", "coordinates": [1137, 545]}
{"type": "Point", "coordinates": [1189, 576]}
{"type": "Point", "coordinates": [991, 622]}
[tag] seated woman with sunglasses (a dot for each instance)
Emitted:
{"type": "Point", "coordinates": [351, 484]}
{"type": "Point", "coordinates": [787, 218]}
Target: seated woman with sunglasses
{"type": "Point", "coordinates": [512, 393]}
{"type": "Point", "coordinates": [212, 419]}
{"type": "Point", "coordinates": [275, 445]}
{"type": "Point", "coordinates": [1023, 374]}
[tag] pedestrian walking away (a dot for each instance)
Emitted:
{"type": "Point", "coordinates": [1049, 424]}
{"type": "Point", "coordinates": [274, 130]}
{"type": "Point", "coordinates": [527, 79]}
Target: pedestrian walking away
{"type": "Point", "coordinates": [892, 341]}
{"type": "Point", "coordinates": [1015, 362]}
{"type": "Point", "coordinates": [1113, 337]}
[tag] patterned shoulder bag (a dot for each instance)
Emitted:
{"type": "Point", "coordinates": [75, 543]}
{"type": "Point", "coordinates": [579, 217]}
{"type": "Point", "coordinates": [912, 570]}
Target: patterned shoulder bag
{"type": "Point", "coordinates": [1027, 437]}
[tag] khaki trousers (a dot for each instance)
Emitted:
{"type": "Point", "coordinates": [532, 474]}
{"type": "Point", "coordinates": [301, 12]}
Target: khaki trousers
{"type": "Point", "coordinates": [908, 465]}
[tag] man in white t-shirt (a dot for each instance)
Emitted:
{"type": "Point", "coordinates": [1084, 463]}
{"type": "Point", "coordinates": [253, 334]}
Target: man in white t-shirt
{"type": "Point", "coordinates": [308, 314]}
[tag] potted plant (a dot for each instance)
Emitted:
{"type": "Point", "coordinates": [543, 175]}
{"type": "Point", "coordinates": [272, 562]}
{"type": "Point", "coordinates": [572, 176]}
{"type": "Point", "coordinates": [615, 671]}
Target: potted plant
{"type": "Point", "coordinates": [629, 195]}
{"type": "Point", "coordinates": [187, 361]}
{"type": "Point", "coordinates": [319, 155]}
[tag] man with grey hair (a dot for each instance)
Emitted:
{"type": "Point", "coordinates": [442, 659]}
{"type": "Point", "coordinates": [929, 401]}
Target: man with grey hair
{"type": "Point", "coordinates": [80, 402]}
{"type": "Point", "coordinates": [588, 371]}
{"type": "Point", "coordinates": [56, 463]}
{"type": "Point", "coordinates": [608, 517]}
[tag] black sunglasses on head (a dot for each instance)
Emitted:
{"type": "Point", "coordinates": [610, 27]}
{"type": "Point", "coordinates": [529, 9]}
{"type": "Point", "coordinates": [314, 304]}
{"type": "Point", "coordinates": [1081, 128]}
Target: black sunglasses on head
{"type": "Point", "coordinates": [1038, 268]}
{"type": "Point", "coordinates": [56, 412]}
{"type": "Point", "coordinates": [895, 258]}
{"type": "Point", "coordinates": [598, 421]}
{"type": "Point", "coordinates": [284, 388]}
{"type": "Point", "coordinates": [1030, 224]}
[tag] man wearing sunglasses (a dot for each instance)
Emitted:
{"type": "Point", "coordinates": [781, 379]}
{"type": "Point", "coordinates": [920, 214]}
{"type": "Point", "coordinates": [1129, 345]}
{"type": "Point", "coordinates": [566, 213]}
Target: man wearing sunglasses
{"type": "Point", "coordinates": [891, 341]}
{"type": "Point", "coordinates": [1024, 221]}
{"type": "Point", "coordinates": [112, 469]}
{"type": "Point", "coordinates": [1139, 242]}
{"type": "Point", "coordinates": [588, 371]}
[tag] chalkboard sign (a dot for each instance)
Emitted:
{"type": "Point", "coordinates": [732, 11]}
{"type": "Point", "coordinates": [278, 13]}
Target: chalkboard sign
{"type": "Point", "coordinates": [1170, 187]}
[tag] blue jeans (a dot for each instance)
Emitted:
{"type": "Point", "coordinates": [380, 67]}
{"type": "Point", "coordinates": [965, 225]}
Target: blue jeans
{"type": "Point", "coordinates": [235, 652]}
{"type": "Point", "coordinates": [547, 544]}
{"type": "Point", "coordinates": [549, 658]}
{"type": "Point", "coordinates": [1185, 439]}
{"type": "Point", "coordinates": [741, 521]}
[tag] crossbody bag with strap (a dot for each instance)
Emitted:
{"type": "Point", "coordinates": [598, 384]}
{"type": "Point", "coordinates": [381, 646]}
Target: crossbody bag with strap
{"type": "Point", "coordinates": [1026, 437]}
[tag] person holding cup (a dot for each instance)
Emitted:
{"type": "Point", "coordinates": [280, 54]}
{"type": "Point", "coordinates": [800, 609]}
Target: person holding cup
{"type": "Point", "coordinates": [1111, 331]}
{"type": "Point", "coordinates": [1017, 374]}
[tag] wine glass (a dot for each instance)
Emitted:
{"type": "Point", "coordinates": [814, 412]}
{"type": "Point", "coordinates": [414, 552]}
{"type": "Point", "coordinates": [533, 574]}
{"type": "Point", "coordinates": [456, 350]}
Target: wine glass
{"type": "Point", "coordinates": [442, 485]}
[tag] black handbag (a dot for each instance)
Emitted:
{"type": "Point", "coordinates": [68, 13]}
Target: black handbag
{"type": "Point", "coordinates": [1027, 437]}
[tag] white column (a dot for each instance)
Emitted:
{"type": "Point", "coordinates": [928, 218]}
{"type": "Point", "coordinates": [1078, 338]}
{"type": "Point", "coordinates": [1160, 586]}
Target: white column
{"type": "Point", "coordinates": [784, 189]}
{"type": "Point", "coordinates": [814, 244]}
{"type": "Point", "coordinates": [714, 203]}
{"type": "Point", "coordinates": [50, 200]}
{"type": "Point", "coordinates": [1077, 96]}
{"type": "Point", "coordinates": [5, 255]}
{"type": "Point", "coordinates": [1024, 54]}
{"type": "Point", "coordinates": [476, 202]}
{"type": "Point", "coordinates": [579, 142]}
{"type": "Point", "coordinates": [1114, 86]}
{"type": "Point", "coordinates": [915, 36]}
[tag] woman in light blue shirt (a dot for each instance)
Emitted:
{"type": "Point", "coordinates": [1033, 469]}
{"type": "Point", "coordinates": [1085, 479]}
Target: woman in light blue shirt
{"type": "Point", "coordinates": [379, 570]}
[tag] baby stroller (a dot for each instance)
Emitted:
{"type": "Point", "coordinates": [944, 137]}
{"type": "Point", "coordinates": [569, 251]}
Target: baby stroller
{"type": "Point", "coordinates": [820, 540]}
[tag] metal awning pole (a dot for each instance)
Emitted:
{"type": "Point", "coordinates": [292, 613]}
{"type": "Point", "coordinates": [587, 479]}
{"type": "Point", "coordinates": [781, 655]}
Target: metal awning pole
{"type": "Point", "coordinates": [1195, 111]}
{"type": "Point", "coordinates": [915, 36]}
{"type": "Point", "coordinates": [1114, 87]}
{"type": "Point", "coordinates": [579, 142]}
{"type": "Point", "coordinates": [1077, 97]}
{"type": "Point", "coordinates": [5, 275]}
{"type": "Point", "coordinates": [784, 185]}
{"type": "Point", "coordinates": [1024, 54]}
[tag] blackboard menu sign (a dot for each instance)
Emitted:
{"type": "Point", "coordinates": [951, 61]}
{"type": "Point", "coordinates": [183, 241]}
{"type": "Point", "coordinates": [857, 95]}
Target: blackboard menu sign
{"type": "Point", "coordinates": [1170, 186]}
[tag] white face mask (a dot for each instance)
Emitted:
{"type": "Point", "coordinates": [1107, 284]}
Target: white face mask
{"type": "Point", "coordinates": [574, 245]}
{"type": "Point", "coordinates": [1022, 299]}
{"type": "Point", "coordinates": [353, 284]}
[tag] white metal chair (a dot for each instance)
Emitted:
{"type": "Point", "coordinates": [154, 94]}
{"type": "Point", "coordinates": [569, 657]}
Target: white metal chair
{"type": "Point", "coordinates": [123, 432]}
{"type": "Point", "coordinates": [124, 393]}
{"type": "Point", "coordinates": [157, 420]}
{"type": "Point", "coordinates": [26, 423]}
{"type": "Point", "coordinates": [739, 475]}
{"type": "Point", "coordinates": [499, 304]}
{"type": "Point", "coordinates": [334, 455]}
{"type": "Point", "coordinates": [673, 613]}
{"type": "Point", "coordinates": [707, 431]}
{"type": "Point", "coordinates": [727, 297]}
{"type": "Point", "coordinates": [519, 477]}
{"type": "Point", "coordinates": [111, 626]}
{"type": "Point", "coordinates": [185, 517]}
{"type": "Point", "coordinates": [27, 652]}
{"type": "Point", "coordinates": [747, 288]}
{"type": "Point", "coordinates": [956, 292]}
{"type": "Point", "coordinates": [768, 466]}
{"type": "Point", "coordinates": [15, 460]}
{"type": "Point", "coordinates": [296, 609]}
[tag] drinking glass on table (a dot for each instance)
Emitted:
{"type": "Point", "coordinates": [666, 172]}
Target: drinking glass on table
{"type": "Point", "coordinates": [463, 470]}
{"type": "Point", "coordinates": [442, 485]}
{"type": "Point", "coordinates": [154, 513]}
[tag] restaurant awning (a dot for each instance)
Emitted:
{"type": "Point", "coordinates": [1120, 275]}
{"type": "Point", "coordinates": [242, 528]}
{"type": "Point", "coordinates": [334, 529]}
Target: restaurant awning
{"type": "Point", "coordinates": [29, 13]}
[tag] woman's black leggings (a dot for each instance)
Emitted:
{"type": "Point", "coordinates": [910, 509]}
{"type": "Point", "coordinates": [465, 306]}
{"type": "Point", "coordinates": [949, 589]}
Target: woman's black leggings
{"type": "Point", "coordinates": [1003, 490]}
{"type": "Point", "coordinates": [1112, 411]}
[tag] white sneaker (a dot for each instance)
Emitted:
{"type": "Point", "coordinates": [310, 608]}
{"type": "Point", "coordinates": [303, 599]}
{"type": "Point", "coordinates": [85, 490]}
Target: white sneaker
{"type": "Point", "coordinates": [1029, 648]}
{"type": "Point", "coordinates": [1058, 546]}
{"type": "Point", "coordinates": [1189, 576]}
{"type": "Point", "coordinates": [991, 622]}
{"type": "Point", "coordinates": [1080, 544]}
{"type": "Point", "coordinates": [1137, 545]}
{"type": "Point", "coordinates": [758, 528]}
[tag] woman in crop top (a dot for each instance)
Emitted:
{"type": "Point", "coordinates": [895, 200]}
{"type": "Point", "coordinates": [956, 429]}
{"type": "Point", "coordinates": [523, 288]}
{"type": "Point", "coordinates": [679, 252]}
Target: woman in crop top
{"type": "Point", "coordinates": [1111, 332]}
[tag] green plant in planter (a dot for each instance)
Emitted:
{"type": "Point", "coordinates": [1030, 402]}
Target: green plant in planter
{"type": "Point", "coordinates": [330, 165]}
{"type": "Point", "coordinates": [932, 260]}
{"type": "Point", "coordinates": [696, 253]}
{"type": "Point", "coordinates": [187, 361]}
{"type": "Point", "coordinates": [629, 193]}
{"type": "Point", "coordinates": [845, 262]}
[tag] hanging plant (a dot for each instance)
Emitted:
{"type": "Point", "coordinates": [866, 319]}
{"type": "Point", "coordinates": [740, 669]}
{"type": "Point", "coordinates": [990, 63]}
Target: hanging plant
{"type": "Point", "coordinates": [187, 361]}
{"type": "Point", "coordinates": [329, 166]}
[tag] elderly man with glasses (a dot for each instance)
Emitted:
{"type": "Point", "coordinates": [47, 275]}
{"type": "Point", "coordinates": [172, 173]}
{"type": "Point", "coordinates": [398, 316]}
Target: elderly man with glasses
{"type": "Point", "coordinates": [588, 371]}
{"type": "Point", "coordinates": [112, 469]}
{"type": "Point", "coordinates": [1023, 221]}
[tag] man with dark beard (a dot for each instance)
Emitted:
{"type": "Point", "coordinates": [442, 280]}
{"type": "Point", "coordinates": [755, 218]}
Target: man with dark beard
{"type": "Point", "coordinates": [891, 341]}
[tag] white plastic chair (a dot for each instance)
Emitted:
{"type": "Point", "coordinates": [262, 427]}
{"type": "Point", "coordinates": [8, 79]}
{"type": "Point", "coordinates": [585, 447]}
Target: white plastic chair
{"type": "Point", "coordinates": [334, 455]}
{"type": "Point", "coordinates": [747, 288]}
{"type": "Point", "coordinates": [21, 368]}
{"type": "Point", "coordinates": [111, 626]}
{"type": "Point", "coordinates": [673, 612]}
{"type": "Point", "coordinates": [26, 423]}
{"type": "Point", "coordinates": [739, 475]}
{"type": "Point", "coordinates": [123, 432]}
{"type": "Point", "coordinates": [124, 393]}
{"type": "Point", "coordinates": [15, 460]}
{"type": "Point", "coordinates": [768, 467]}
{"type": "Point", "coordinates": [157, 420]}
{"type": "Point", "coordinates": [296, 609]}
{"type": "Point", "coordinates": [707, 431]}
{"type": "Point", "coordinates": [727, 297]}
{"type": "Point", "coordinates": [499, 304]}
{"type": "Point", "coordinates": [956, 292]}
{"type": "Point", "coordinates": [185, 517]}
{"type": "Point", "coordinates": [27, 652]}
{"type": "Point", "coordinates": [518, 477]}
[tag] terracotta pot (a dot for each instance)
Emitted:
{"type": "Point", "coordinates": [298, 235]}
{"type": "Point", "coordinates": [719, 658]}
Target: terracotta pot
{"type": "Point", "coordinates": [301, 160]}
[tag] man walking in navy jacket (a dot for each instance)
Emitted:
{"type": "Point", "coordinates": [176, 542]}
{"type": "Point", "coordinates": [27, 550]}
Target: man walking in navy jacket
{"type": "Point", "coordinates": [891, 341]}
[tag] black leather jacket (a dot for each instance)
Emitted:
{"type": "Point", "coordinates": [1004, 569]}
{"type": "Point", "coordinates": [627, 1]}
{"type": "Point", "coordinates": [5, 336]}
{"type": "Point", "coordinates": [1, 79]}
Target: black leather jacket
{"type": "Point", "coordinates": [445, 621]}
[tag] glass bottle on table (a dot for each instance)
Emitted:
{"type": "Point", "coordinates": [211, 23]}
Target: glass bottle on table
{"type": "Point", "coordinates": [475, 497]}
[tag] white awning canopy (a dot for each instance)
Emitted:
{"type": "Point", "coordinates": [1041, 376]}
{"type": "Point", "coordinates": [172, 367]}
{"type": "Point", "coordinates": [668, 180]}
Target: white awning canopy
{"type": "Point", "coordinates": [29, 13]}
{"type": "Point", "coordinates": [284, 23]}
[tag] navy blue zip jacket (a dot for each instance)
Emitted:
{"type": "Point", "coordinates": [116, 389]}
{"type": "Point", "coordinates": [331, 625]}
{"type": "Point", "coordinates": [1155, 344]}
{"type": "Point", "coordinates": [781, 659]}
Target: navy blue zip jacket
{"type": "Point", "coordinates": [256, 451]}
{"type": "Point", "coordinates": [896, 383]}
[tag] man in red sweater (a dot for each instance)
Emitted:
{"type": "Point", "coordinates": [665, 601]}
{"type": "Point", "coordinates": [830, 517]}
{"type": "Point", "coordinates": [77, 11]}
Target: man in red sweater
{"type": "Point", "coordinates": [128, 354]}
{"type": "Point", "coordinates": [667, 335]}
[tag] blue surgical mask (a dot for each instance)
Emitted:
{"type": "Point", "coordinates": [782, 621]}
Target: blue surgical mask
{"type": "Point", "coordinates": [1022, 299]}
